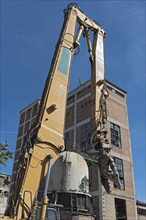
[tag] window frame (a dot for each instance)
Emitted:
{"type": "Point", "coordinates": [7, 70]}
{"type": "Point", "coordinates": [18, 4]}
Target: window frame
{"type": "Point", "coordinates": [67, 139]}
{"type": "Point", "coordinates": [85, 136]}
{"type": "Point", "coordinates": [141, 211]}
{"type": "Point", "coordinates": [120, 204]}
{"type": "Point", "coordinates": [120, 168]}
{"type": "Point", "coordinates": [114, 128]}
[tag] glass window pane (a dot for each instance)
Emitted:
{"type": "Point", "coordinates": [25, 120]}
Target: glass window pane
{"type": "Point", "coordinates": [119, 166]}
{"type": "Point", "coordinates": [51, 215]}
{"type": "Point", "coordinates": [28, 114]}
{"type": "Point", "coordinates": [35, 109]}
{"type": "Point", "coordinates": [22, 117]}
{"type": "Point", "coordinates": [20, 132]}
{"type": "Point", "coordinates": [115, 135]}
{"type": "Point", "coordinates": [85, 132]}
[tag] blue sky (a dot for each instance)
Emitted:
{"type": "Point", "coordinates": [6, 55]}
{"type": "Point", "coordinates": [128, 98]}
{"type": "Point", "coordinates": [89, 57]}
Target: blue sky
{"type": "Point", "coordinates": [29, 32]}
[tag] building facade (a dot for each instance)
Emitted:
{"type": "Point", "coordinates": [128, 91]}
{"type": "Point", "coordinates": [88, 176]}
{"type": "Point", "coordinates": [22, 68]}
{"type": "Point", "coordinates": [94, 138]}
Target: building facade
{"type": "Point", "coordinates": [120, 203]}
{"type": "Point", "coordinates": [4, 190]}
{"type": "Point", "coordinates": [27, 118]}
{"type": "Point", "coordinates": [141, 210]}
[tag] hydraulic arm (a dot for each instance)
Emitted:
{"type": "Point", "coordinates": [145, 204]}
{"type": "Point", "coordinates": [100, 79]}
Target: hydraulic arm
{"type": "Point", "coordinates": [46, 137]}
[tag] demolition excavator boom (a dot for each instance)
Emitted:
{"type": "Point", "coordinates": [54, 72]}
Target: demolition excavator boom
{"type": "Point", "coordinates": [45, 140]}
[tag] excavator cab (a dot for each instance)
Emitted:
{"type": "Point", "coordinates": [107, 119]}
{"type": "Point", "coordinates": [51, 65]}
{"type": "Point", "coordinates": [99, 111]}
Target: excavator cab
{"type": "Point", "coordinates": [51, 214]}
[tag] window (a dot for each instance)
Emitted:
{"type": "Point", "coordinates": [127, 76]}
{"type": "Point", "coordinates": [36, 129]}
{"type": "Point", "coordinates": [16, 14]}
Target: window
{"type": "Point", "coordinates": [33, 121]}
{"type": "Point", "coordinates": [50, 214]}
{"type": "Point", "coordinates": [20, 132]}
{"type": "Point", "coordinates": [83, 91]}
{"type": "Point", "coordinates": [35, 110]}
{"type": "Point", "coordinates": [141, 211]}
{"type": "Point", "coordinates": [26, 127]}
{"type": "Point", "coordinates": [28, 114]}
{"type": "Point", "coordinates": [81, 202]}
{"type": "Point", "coordinates": [120, 207]}
{"type": "Point", "coordinates": [85, 133]}
{"type": "Point", "coordinates": [65, 200]}
{"type": "Point", "coordinates": [115, 135]}
{"type": "Point", "coordinates": [119, 165]}
{"type": "Point", "coordinates": [90, 173]}
{"type": "Point", "coordinates": [22, 117]}
{"type": "Point", "coordinates": [70, 100]}
{"type": "Point", "coordinates": [66, 139]}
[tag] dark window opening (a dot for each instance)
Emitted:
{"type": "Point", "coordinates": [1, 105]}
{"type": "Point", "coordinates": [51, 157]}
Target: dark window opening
{"type": "Point", "coordinates": [66, 140]}
{"type": "Point", "coordinates": [70, 100]}
{"type": "Point", "coordinates": [20, 132]}
{"type": "Point", "coordinates": [85, 134]}
{"type": "Point", "coordinates": [35, 110]}
{"type": "Point", "coordinates": [65, 200]}
{"type": "Point", "coordinates": [22, 117]}
{"type": "Point", "coordinates": [26, 127]}
{"type": "Point", "coordinates": [120, 207]}
{"type": "Point", "coordinates": [84, 91]}
{"type": "Point", "coordinates": [141, 211]}
{"type": "Point", "coordinates": [28, 114]}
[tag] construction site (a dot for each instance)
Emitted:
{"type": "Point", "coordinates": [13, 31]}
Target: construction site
{"type": "Point", "coordinates": [73, 157]}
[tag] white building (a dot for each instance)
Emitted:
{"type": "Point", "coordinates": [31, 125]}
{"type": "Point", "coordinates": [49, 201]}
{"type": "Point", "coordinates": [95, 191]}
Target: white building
{"type": "Point", "coordinates": [4, 190]}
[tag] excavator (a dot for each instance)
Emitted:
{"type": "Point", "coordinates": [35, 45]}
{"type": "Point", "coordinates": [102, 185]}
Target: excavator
{"type": "Point", "coordinates": [44, 146]}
